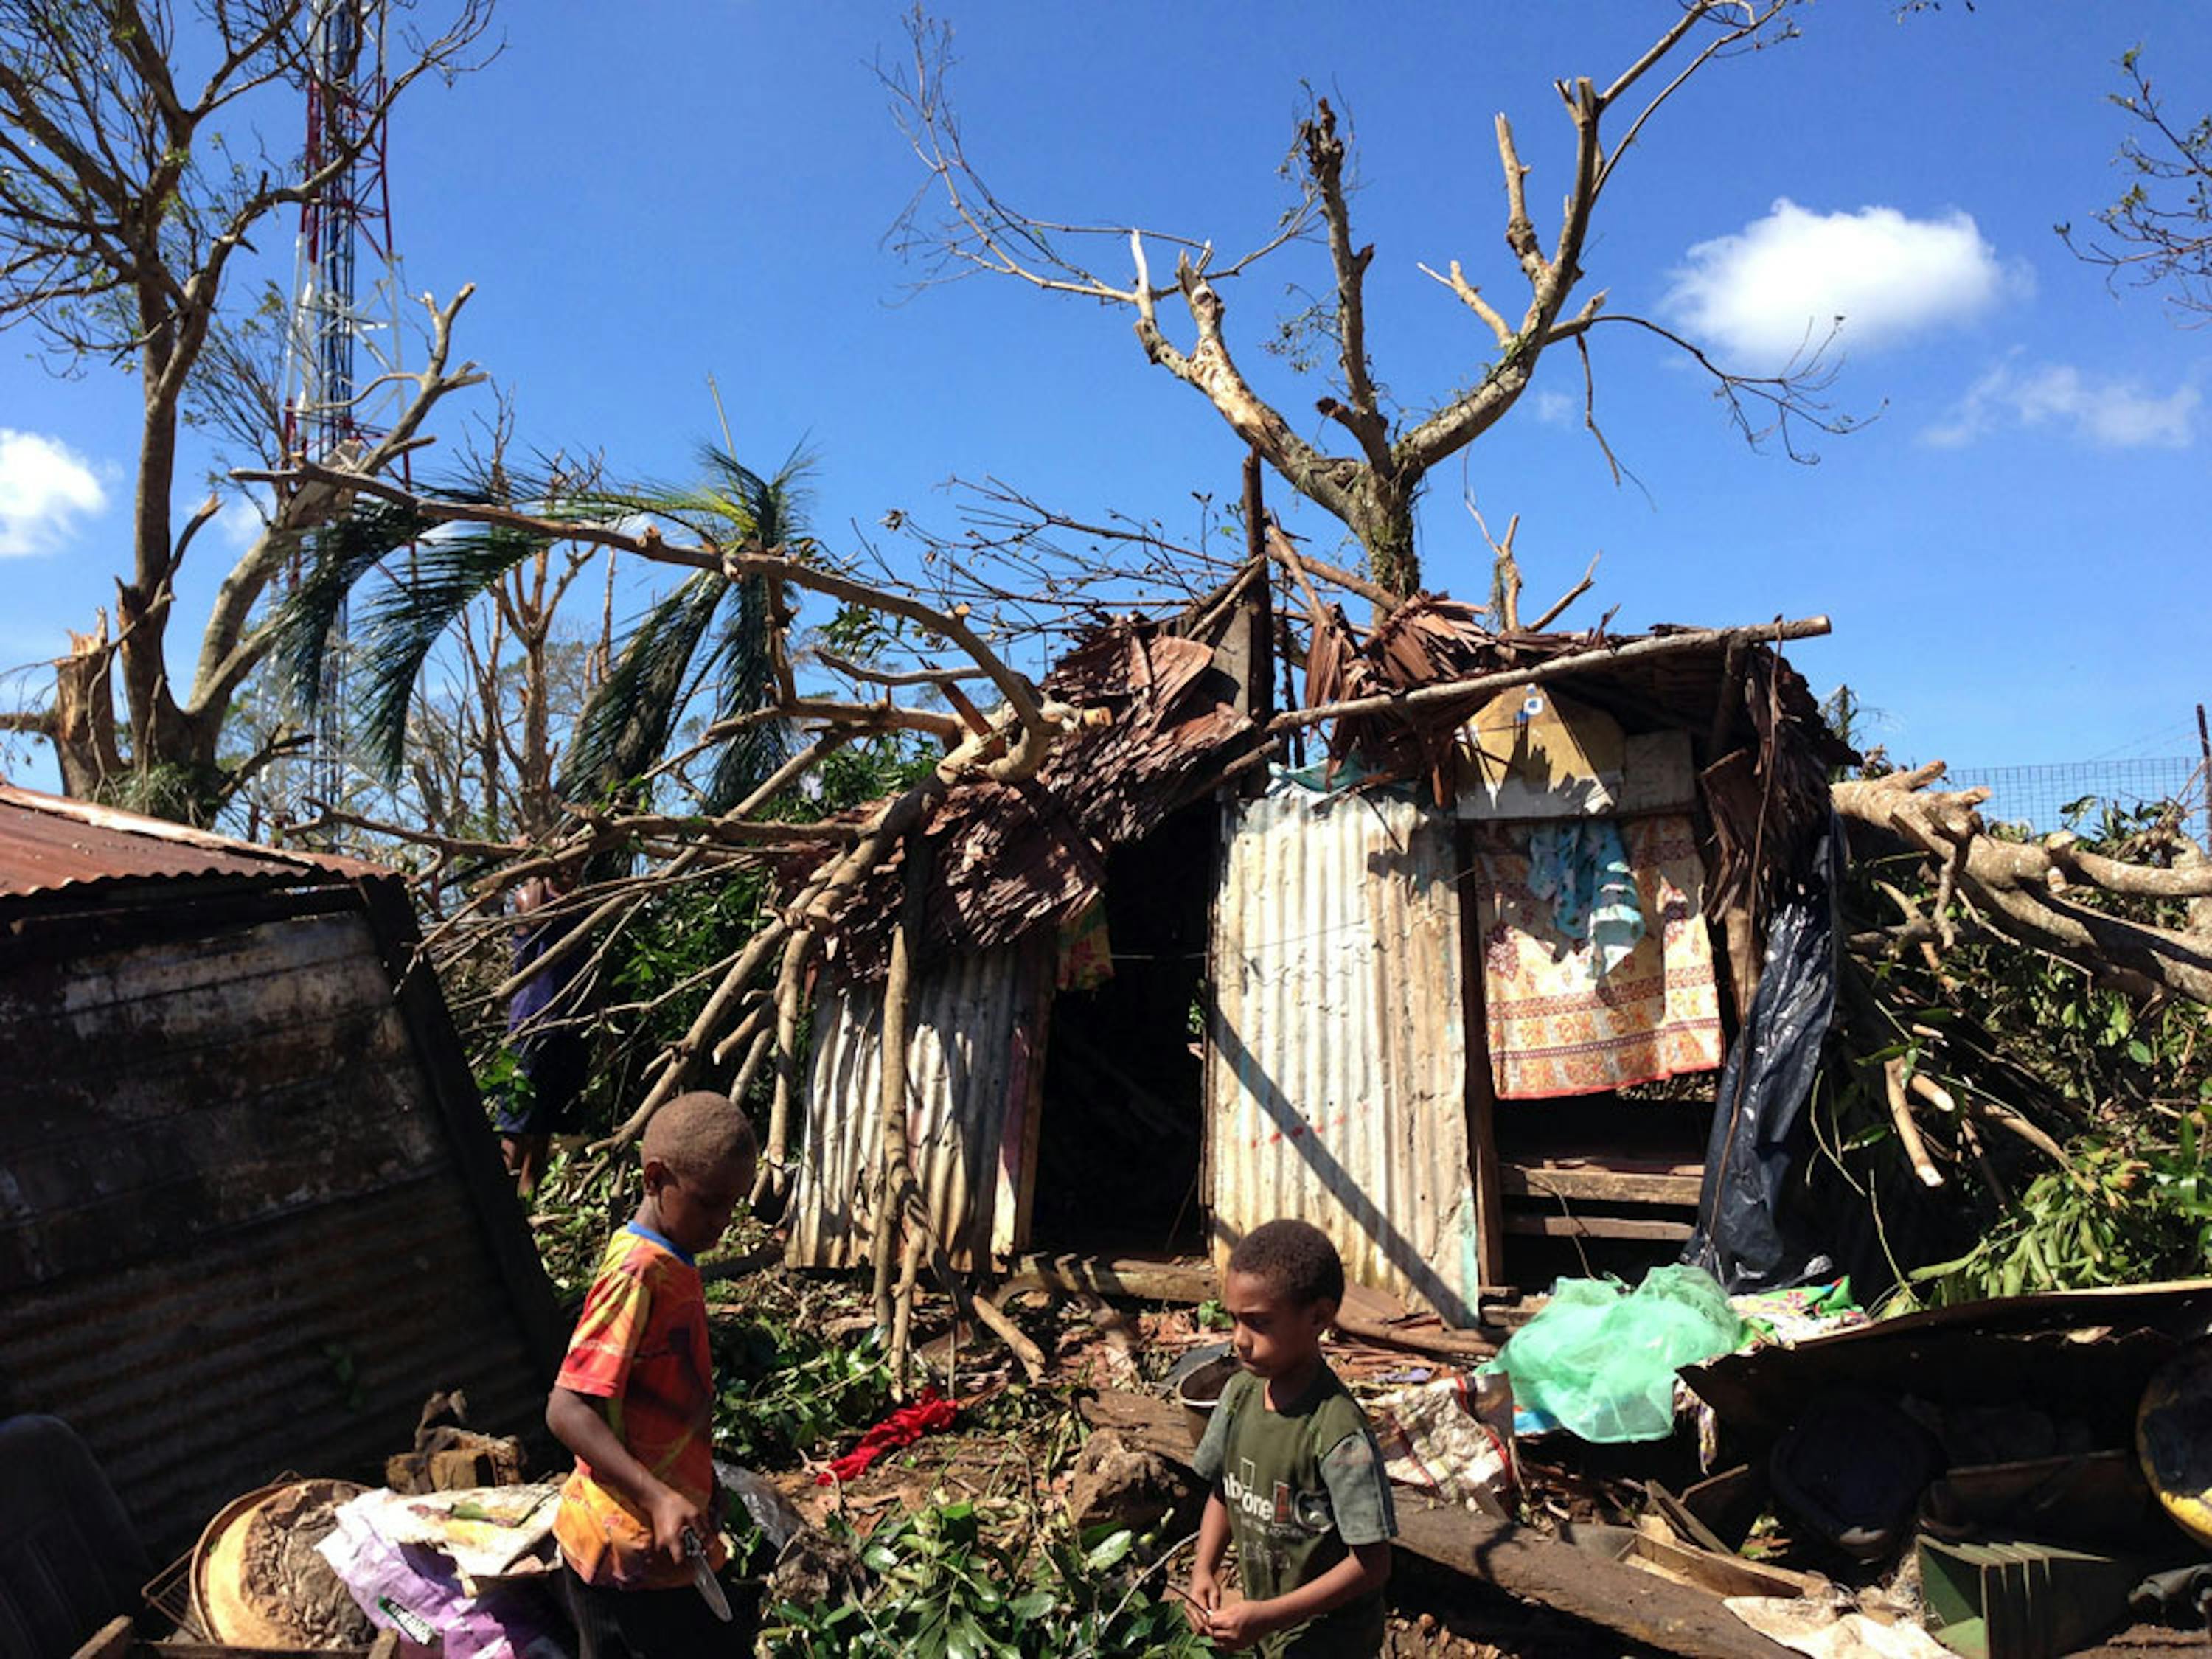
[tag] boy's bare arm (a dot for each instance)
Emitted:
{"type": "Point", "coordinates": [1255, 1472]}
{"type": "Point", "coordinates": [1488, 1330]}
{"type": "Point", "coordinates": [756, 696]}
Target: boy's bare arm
{"type": "Point", "coordinates": [1367, 1568]}
{"type": "Point", "coordinates": [580, 1424]}
{"type": "Point", "coordinates": [1205, 1564]}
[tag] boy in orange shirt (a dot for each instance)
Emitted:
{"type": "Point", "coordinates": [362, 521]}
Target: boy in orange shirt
{"type": "Point", "coordinates": [634, 1401]}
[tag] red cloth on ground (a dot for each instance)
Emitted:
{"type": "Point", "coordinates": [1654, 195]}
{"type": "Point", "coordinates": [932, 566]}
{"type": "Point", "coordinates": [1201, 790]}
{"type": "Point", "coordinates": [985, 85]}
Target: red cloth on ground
{"type": "Point", "coordinates": [902, 1428]}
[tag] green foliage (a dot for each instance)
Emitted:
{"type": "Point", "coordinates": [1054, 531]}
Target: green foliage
{"type": "Point", "coordinates": [2017, 1042]}
{"type": "Point", "coordinates": [857, 774]}
{"type": "Point", "coordinates": [500, 1076]}
{"type": "Point", "coordinates": [179, 791]}
{"type": "Point", "coordinates": [2133, 1208]}
{"type": "Point", "coordinates": [1213, 1316]}
{"type": "Point", "coordinates": [945, 1589]}
{"type": "Point", "coordinates": [783, 1391]}
{"type": "Point", "coordinates": [571, 1231]}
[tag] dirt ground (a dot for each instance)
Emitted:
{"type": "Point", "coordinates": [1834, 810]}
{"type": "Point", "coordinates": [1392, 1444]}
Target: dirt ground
{"type": "Point", "coordinates": [1017, 1444]}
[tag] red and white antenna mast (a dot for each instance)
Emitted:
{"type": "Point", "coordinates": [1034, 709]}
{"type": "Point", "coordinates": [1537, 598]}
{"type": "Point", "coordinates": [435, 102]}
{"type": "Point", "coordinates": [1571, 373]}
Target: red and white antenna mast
{"type": "Point", "coordinates": [343, 341]}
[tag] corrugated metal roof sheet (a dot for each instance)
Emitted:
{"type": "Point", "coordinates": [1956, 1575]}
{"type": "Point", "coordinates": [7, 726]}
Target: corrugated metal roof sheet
{"type": "Point", "coordinates": [237, 1227]}
{"type": "Point", "coordinates": [972, 1070]}
{"type": "Point", "coordinates": [1337, 1064]}
{"type": "Point", "coordinates": [48, 843]}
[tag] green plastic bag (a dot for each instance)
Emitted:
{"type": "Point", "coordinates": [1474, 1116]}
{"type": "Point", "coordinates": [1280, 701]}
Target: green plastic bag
{"type": "Point", "coordinates": [1600, 1360]}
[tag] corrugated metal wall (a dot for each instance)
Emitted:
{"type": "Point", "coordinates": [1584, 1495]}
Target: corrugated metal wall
{"type": "Point", "coordinates": [972, 1071]}
{"type": "Point", "coordinates": [1337, 1068]}
{"type": "Point", "coordinates": [234, 1235]}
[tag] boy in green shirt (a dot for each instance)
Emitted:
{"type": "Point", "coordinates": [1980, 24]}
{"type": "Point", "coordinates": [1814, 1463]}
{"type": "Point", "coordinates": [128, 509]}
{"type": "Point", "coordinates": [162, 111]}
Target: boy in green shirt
{"type": "Point", "coordinates": [1297, 1478]}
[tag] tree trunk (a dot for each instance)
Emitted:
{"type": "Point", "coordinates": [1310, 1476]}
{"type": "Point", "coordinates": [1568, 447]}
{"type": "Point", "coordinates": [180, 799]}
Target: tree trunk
{"type": "Point", "coordinates": [83, 729]}
{"type": "Point", "coordinates": [143, 604]}
{"type": "Point", "coordinates": [895, 1158]}
{"type": "Point", "coordinates": [1382, 516]}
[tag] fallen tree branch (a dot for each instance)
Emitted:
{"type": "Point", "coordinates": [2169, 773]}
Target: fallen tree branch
{"type": "Point", "coordinates": [1908, 1132]}
{"type": "Point", "coordinates": [1581, 662]}
{"type": "Point", "coordinates": [1559, 604]}
{"type": "Point", "coordinates": [2022, 888]}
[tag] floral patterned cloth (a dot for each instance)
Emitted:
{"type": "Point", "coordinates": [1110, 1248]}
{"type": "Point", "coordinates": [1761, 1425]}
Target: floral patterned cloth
{"type": "Point", "coordinates": [1556, 1027]}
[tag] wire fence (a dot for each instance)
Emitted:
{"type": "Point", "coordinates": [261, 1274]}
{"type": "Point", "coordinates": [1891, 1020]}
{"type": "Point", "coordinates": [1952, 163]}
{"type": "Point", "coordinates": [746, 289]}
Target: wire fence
{"type": "Point", "coordinates": [2049, 797]}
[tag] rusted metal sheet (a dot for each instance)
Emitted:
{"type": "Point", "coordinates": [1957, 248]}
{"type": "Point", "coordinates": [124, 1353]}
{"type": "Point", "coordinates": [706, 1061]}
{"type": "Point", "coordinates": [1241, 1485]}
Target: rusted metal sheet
{"type": "Point", "coordinates": [236, 1231]}
{"type": "Point", "coordinates": [972, 1072]}
{"type": "Point", "coordinates": [1431, 640]}
{"type": "Point", "coordinates": [1337, 1061]}
{"type": "Point", "coordinates": [48, 843]}
{"type": "Point", "coordinates": [306, 1341]}
{"type": "Point", "coordinates": [1161, 721]}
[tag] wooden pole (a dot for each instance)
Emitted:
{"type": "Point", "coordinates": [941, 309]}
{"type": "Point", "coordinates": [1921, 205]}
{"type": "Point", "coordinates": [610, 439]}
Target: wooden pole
{"type": "Point", "coordinates": [895, 1157]}
{"type": "Point", "coordinates": [1582, 662]}
{"type": "Point", "coordinates": [2204, 747]}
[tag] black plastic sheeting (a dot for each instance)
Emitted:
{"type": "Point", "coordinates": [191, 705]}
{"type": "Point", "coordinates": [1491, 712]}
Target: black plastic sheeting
{"type": "Point", "coordinates": [1742, 1236]}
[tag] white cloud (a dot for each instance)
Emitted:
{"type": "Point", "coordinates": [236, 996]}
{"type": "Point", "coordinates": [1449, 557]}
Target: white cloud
{"type": "Point", "coordinates": [1554, 408]}
{"type": "Point", "coordinates": [2109, 413]}
{"type": "Point", "coordinates": [1779, 284]}
{"type": "Point", "coordinates": [45, 488]}
{"type": "Point", "coordinates": [241, 522]}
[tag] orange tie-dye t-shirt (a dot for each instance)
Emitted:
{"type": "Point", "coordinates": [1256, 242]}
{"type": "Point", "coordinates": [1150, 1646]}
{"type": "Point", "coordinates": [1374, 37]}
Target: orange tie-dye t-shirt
{"type": "Point", "coordinates": [640, 1346]}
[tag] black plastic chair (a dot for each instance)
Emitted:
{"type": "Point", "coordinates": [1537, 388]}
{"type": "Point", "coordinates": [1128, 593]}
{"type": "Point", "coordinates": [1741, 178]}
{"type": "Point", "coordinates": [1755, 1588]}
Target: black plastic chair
{"type": "Point", "coordinates": [70, 1559]}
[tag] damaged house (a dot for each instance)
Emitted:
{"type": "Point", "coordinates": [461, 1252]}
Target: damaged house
{"type": "Point", "coordinates": [1459, 990]}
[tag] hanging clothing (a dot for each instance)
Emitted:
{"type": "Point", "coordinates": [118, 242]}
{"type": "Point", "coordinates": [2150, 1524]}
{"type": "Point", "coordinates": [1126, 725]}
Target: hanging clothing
{"type": "Point", "coordinates": [1558, 1025]}
{"type": "Point", "coordinates": [1581, 867]}
{"type": "Point", "coordinates": [1086, 951]}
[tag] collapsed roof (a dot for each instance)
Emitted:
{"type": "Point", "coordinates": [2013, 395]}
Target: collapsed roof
{"type": "Point", "coordinates": [1013, 857]}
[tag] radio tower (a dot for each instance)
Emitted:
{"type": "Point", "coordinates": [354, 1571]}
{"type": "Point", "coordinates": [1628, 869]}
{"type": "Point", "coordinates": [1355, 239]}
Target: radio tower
{"type": "Point", "coordinates": [343, 336]}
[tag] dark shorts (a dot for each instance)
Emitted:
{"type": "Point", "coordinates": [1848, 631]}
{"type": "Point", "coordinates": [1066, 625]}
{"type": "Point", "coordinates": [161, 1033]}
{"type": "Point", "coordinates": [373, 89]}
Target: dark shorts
{"type": "Point", "coordinates": [654, 1623]}
{"type": "Point", "coordinates": [557, 1064]}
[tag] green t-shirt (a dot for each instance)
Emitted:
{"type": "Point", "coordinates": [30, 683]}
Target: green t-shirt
{"type": "Point", "coordinates": [1301, 1486]}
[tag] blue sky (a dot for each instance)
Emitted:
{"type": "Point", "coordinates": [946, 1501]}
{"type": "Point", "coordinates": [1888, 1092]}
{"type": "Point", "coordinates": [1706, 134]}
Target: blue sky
{"type": "Point", "coordinates": [2012, 552]}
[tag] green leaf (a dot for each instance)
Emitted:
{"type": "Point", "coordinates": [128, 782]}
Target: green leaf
{"type": "Point", "coordinates": [1111, 1551]}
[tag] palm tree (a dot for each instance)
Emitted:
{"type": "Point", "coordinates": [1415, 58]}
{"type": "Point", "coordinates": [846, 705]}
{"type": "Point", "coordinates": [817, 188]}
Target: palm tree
{"type": "Point", "coordinates": [704, 648]}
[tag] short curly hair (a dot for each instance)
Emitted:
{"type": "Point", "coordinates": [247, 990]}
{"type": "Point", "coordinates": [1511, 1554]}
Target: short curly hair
{"type": "Point", "coordinates": [1295, 1258]}
{"type": "Point", "coordinates": [697, 1134]}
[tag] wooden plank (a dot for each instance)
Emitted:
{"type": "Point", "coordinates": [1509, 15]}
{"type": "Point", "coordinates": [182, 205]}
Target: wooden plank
{"type": "Point", "coordinates": [116, 1639]}
{"type": "Point", "coordinates": [1141, 1278]}
{"type": "Point", "coordinates": [1598, 1226]}
{"type": "Point", "coordinates": [1526, 1564]}
{"type": "Point", "coordinates": [1616, 1186]}
{"type": "Point", "coordinates": [1719, 1571]}
{"type": "Point", "coordinates": [1481, 1094]}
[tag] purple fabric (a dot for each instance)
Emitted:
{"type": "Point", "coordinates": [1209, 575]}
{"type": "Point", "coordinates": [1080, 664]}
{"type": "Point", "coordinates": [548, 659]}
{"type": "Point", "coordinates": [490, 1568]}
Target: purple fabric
{"type": "Point", "coordinates": [413, 1588]}
{"type": "Point", "coordinates": [537, 995]}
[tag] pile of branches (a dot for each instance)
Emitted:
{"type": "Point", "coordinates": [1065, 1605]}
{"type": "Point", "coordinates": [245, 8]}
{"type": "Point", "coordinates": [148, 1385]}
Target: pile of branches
{"type": "Point", "coordinates": [2023, 1069]}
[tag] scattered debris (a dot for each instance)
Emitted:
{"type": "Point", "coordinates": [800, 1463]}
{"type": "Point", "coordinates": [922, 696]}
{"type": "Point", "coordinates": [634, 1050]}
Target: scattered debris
{"type": "Point", "coordinates": [1119, 1484]}
{"type": "Point", "coordinates": [449, 1455]}
{"type": "Point", "coordinates": [259, 1581]}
